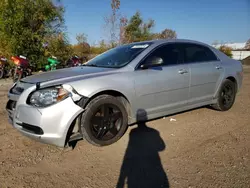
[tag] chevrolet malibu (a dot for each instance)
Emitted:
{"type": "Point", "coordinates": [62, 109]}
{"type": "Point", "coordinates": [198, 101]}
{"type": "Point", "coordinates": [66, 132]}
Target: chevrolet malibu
{"type": "Point", "coordinates": [125, 85]}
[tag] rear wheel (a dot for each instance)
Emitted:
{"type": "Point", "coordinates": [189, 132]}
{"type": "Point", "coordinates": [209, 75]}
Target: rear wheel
{"type": "Point", "coordinates": [104, 121]}
{"type": "Point", "coordinates": [226, 96]}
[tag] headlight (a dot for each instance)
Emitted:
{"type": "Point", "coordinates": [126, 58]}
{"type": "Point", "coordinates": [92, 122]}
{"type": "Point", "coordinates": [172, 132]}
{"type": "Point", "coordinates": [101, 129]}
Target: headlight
{"type": "Point", "coordinates": [48, 96]}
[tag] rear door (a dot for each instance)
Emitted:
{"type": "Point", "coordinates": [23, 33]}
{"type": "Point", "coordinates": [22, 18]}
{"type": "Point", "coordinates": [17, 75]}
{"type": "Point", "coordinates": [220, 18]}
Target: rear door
{"type": "Point", "coordinates": [205, 70]}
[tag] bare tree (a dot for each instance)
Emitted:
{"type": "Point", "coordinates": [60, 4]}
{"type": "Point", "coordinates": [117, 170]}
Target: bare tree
{"type": "Point", "coordinates": [112, 22]}
{"type": "Point", "coordinates": [82, 48]}
{"type": "Point", "coordinates": [123, 24]}
{"type": "Point", "coordinates": [81, 38]}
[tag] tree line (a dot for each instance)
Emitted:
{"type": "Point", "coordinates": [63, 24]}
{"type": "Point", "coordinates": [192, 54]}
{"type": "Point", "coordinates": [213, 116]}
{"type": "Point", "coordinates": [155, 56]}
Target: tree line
{"type": "Point", "coordinates": [36, 29]}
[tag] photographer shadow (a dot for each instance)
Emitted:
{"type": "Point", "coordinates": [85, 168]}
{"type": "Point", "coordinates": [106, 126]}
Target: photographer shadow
{"type": "Point", "coordinates": [142, 164]}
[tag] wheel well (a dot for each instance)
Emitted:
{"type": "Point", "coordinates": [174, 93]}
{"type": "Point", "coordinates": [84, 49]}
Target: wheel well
{"type": "Point", "coordinates": [231, 78]}
{"type": "Point", "coordinates": [114, 93]}
{"type": "Point", "coordinates": [84, 102]}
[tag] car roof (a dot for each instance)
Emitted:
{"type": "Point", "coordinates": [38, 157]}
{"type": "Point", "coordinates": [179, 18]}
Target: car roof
{"type": "Point", "coordinates": [161, 41]}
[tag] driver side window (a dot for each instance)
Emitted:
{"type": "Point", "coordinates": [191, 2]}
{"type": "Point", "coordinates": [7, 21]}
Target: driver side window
{"type": "Point", "coordinates": [168, 54]}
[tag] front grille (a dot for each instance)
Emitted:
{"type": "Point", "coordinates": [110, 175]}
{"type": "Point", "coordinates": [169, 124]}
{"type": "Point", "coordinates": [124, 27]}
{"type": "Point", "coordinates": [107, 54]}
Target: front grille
{"type": "Point", "coordinates": [31, 128]}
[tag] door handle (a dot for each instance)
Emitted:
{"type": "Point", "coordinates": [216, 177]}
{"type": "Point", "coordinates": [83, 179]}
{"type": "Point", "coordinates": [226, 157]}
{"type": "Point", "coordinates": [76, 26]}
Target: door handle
{"type": "Point", "coordinates": [218, 67]}
{"type": "Point", "coordinates": [182, 71]}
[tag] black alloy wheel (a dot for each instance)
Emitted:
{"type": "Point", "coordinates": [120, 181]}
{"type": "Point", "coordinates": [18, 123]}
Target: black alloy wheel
{"type": "Point", "coordinates": [104, 121]}
{"type": "Point", "coordinates": [226, 96]}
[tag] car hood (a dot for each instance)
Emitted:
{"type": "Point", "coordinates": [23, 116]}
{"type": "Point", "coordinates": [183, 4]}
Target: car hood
{"type": "Point", "coordinates": [67, 74]}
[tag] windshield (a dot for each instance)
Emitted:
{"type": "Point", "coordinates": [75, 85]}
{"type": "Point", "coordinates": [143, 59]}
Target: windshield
{"type": "Point", "coordinates": [119, 56]}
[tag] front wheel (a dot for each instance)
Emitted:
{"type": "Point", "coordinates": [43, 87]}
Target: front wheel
{"type": "Point", "coordinates": [104, 121]}
{"type": "Point", "coordinates": [226, 96]}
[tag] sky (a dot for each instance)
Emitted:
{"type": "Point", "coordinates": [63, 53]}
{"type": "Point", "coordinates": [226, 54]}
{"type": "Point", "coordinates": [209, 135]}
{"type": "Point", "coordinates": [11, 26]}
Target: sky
{"type": "Point", "coordinates": [202, 20]}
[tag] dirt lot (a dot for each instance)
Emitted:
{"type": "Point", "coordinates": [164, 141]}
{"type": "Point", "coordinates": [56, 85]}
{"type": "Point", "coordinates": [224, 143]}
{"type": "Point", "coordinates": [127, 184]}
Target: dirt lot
{"type": "Point", "coordinates": [202, 148]}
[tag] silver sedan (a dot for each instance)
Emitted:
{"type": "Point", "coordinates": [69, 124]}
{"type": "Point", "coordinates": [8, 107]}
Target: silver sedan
{"type": "Point", "coordinates": [125, 85]}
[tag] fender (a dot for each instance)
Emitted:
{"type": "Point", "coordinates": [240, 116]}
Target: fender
{"type": "Point", "coordinates": [220, 82]}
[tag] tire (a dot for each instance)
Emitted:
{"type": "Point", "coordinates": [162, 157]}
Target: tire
{"type": "Point", "coordinates": [24, 74]}
{"type": "Point", "coordinates": [220, 105]}
{"type": "Point", "coordinates": [1, 73]}
{"type": "Point", "coordinates": [87, 128]}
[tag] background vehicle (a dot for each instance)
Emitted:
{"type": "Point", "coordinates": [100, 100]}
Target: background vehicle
{"type": "Point", "coordinates": [6, 68]}
{"type": "Point", "coordinates": [3, 70]}
{"type": "Point", "coordinates": [22, 68]}
{"type": "Point", "coordinates": [125, 85]}
{"type": "Point", "coordinates": [52, 63]}
{"type": "Point", "coordinates": [74, 61]}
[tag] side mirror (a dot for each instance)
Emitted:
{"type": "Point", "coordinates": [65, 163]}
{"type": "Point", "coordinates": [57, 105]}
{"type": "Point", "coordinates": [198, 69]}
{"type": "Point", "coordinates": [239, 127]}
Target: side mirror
{"type": "Point", "coordinates": [152, 62]}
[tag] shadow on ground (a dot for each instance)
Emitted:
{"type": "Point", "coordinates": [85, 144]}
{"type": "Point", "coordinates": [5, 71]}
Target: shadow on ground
{"type": "Point", "coordinates": [142, 164]}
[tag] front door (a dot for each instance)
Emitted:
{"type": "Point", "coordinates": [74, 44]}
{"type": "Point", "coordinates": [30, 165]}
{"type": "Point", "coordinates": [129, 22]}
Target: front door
{"type": "Point", "coordinates": [164, 85]}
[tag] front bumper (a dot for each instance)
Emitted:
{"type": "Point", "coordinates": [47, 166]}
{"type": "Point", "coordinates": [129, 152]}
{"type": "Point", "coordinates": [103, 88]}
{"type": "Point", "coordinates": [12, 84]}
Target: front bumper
{"type": "Point", "coordinates": [48, 125]}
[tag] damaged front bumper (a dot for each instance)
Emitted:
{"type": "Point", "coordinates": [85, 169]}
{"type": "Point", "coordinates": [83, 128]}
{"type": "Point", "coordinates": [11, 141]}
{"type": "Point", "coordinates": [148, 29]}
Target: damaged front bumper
{"type": "Point", "coordinates": [48, 125]}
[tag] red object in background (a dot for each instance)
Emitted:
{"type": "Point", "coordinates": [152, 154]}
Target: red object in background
{"type": "Point", "coordinates": [76, 61]}
{"type": "Point", "coordinates": [24, 63]}
{"type": "Point", "coordinates": [22, 68]}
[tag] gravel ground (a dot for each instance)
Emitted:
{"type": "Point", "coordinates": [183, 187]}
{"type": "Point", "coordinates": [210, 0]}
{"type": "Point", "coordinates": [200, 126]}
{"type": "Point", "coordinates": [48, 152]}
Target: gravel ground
{"type": "Point", "coordinates": [202, 148]}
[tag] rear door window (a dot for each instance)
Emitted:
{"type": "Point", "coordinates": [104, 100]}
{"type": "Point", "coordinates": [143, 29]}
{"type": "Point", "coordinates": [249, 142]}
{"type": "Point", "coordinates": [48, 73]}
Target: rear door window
{"type": "Point", "coordinates": [198, 53]}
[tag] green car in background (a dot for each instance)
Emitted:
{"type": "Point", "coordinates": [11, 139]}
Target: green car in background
{"type": "Point", "coordinates": [53, 62]}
